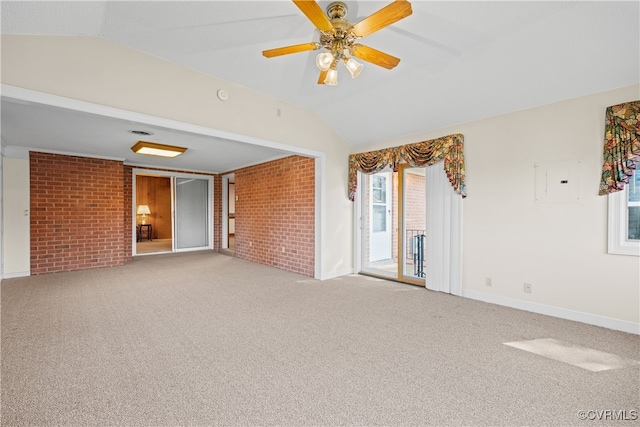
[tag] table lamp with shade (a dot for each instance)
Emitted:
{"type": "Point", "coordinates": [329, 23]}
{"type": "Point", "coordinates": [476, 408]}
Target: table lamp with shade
{"type": "Point", "coordinates": [144, 211]}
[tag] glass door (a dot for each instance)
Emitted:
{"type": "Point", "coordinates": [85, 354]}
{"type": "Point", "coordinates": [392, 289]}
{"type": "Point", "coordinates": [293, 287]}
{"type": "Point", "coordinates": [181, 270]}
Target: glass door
{"type": "Point", "coordinates": [379, 213]}
{"type": "Point", "coordinates": [192, 213]}
{"type": "Point", "coordinates": [394, 224]}
{"type": "Point", "coordinates": [380, 248]}
{"type": "Point", "coordinates": [413, 211]}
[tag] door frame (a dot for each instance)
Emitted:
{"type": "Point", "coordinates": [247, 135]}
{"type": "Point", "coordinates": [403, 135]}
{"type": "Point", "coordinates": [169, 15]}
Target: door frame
{"type": "Point", "coordinates": [225, 210]}
{"type": "Point", "coordinates": [402, 244]}
{"type": "Point", "coordinates": [172, 176]}
{"type": "Point", "coordinates": [443, 247]}
{"type": "Point", "coordinates": [361, 230]}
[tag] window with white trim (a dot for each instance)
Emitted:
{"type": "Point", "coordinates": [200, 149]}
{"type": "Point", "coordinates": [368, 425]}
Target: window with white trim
{"type": "Point", "coordinates": [624, 218]}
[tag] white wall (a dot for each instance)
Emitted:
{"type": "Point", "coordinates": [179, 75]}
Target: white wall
{"type": "Point", "coordinates": [115, 76]}
{"type": "Point", "coordinates": [15, 217]}
{"type": "Point", "coordinates": [561, 249]}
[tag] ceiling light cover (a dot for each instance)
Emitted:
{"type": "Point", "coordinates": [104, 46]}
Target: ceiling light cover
{"type": "Point", "coordinates": [154, 149]}
{"type": "Point", "coordinates": [324, 60]}
{"type": "Point", "coordinates": [332, 77]}
{"type": "Point", "coordinates": [354, 67]}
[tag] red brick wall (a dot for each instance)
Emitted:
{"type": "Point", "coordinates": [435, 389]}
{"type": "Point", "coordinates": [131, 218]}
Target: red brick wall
{"type": "Point", "coordinates": [275, 210]}
{"type": "Point", "coordinates": [415, 208]}
{"type": "Point", "coordinates": [77, 213]}
{"type": "Point", "coordinates": [81, 213]}
{"type": "Point", "coordinates": [415, 202]}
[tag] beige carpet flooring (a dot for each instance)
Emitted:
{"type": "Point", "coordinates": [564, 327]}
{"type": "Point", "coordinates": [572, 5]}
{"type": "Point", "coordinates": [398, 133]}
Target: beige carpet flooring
{"type": "Point", "coordinates": [201, 338]}
{"type": "Point", "coordinates": [153, 246]}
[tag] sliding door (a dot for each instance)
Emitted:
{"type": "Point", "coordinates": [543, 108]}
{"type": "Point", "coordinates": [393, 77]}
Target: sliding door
{"type": "Point", "coordinates": [192, 213]}
{"type": "Point", "coordinates": [180, 220]}
{"type": "Point", "coordinates": [394, 224]}
{"type": "Point", "coordinates": [413, 214]}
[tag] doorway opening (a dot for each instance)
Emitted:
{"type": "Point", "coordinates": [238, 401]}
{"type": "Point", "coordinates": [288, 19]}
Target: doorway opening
{"type": "Point", "coordinates": [153, 214]}
{"type": "Point", "coordinates": [231, 216]}
{"type": "Point", "coordinates": [394, 224]}
{"type": "Point", "coordinates": [172, 212]}
{"type": "Point", "coordinates": [229, 198]}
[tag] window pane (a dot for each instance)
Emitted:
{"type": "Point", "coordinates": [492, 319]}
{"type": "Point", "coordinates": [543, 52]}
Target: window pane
{"type": "Point", "coordinates": [633, 207]}
{"type": "Point", "coordinates": [634, 187]}
{"type": "Point", "coordinates": [379, 218]}
{"type": "Point", "coordinates": [634, 223]}
{"type": "Point", "coordinates": [379, 189]}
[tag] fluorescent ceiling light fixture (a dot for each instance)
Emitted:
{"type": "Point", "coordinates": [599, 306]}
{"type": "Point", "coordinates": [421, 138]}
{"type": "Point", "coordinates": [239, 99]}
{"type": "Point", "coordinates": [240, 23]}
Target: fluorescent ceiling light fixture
{"type": "Point", "coordinates": [153, 149]}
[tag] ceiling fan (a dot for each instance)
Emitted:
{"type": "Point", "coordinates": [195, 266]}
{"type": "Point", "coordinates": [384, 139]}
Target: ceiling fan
{"type": "Point", "coordinates": [339, 38]}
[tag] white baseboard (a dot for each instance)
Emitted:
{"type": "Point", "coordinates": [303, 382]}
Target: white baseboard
{"type": "Point", "coordinates": [562, 313]}
{"type": "Point", "coordinates": [18, 274]}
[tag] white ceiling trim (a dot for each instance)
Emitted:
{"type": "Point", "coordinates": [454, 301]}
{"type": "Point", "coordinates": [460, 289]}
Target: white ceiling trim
{"type": "Point", "coordinates": [67, 153]}
{"type": "Point", "coordinates": [23, 153]}
{"type": "Point", "coordinates": [14, 152]}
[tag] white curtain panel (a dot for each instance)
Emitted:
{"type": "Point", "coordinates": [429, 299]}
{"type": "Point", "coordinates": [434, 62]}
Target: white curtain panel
{"type": "Point", "coordinates": [443, 246]}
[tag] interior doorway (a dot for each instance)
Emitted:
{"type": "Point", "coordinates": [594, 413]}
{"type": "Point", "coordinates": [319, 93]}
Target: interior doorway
{"type": "Point", "coordinates": [172, 212]}
{"type": "Point", "coordinates": [229, 198]}
{"type": "Point", "coordinates": [231, 216]}
{"type": "Point", "coordinates": [153, 214]}
{"type": "Point", "coordinates": [394, 224]}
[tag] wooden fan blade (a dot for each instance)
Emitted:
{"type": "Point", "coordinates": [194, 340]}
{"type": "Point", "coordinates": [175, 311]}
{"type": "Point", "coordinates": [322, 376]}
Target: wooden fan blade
{"type": "Point", "coordinates": [374, 56]}
{"type": "Point", "coordinates": [290, 49]}
{"type": "Point", "coordinates": [315, 14]}
{"type": "Point", "coordinates": [384, 17]}
{"type": "Point", "coordinates": [321, 77]}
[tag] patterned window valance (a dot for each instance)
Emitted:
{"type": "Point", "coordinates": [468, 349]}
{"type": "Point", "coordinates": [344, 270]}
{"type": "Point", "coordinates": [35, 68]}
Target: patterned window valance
{"type": "Point", "coordinates": [426, 153]}
{"type": "Point", "coordinates": [621, 146]}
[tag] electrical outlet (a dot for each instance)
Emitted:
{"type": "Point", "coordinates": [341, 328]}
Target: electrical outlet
{"type": "Point", "coordinates": [488, 281]}
{"type": "Point", "coordinates": [283, 249]}
{"type": "Point", "coordinates": [250, 244]}
{"type": "Point", "coordinates": [527, 288]}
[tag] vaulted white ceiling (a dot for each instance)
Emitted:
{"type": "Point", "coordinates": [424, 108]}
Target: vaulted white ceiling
{"type": "Point", "coordinates": [460, 61]}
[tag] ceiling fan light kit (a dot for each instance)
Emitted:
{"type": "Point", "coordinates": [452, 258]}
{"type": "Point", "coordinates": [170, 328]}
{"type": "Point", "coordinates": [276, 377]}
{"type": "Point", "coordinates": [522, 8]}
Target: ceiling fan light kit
{"type": "Point", "coordinates": [338, 37]}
